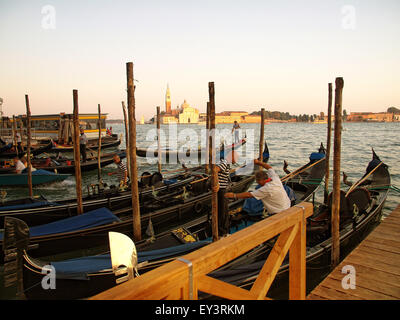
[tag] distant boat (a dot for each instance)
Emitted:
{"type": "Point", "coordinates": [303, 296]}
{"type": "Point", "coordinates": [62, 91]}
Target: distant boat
{"type": "Point", "coordinates": [38, 177]}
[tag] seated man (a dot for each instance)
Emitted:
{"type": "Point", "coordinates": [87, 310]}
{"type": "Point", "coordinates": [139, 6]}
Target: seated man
{"type": "Point", "coordinates": [271, 192]}
{"type": "Point", "coordinates": [19, 164]}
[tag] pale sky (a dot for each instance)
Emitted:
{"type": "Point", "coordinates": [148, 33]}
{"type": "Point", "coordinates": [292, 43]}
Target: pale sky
{"type": "Point", "coordinates": [279, 55]}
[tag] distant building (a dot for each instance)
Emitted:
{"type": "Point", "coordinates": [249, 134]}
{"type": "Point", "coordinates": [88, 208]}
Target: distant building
{"type": "Point", "coordinates": [182, 114]}
{"type": "Point", "coordinates": [370, 117]}
{"type": "Point", "coordinates": [168, 101]}
{"type": "Point", "coordinates": [188, 114]}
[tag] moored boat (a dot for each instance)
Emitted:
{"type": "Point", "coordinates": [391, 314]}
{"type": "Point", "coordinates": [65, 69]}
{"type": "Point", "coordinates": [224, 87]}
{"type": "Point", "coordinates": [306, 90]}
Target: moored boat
{"type": "Point", "coordinates": [96, 273]}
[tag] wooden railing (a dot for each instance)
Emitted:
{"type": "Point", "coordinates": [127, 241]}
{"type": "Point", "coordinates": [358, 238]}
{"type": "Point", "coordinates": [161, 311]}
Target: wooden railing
{"type": "Point", "coordinates": [184, 277]}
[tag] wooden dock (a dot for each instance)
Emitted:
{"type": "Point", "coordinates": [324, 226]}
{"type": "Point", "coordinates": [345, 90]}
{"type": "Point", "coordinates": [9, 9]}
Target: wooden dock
{"type": "Point", "coordinates": [375, 265]}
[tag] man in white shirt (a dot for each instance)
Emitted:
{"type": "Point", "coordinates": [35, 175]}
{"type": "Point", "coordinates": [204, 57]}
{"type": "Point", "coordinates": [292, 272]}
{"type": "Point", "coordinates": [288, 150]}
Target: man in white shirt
{"type": "Point", "coordinates": [271, 193]}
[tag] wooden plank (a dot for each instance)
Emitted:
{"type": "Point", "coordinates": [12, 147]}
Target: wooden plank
{"type": "Point", "coordinates": [297, 265]}
{"type": "Point", "coordinates": [383, 276]}
{"type": "Point", "coordinates": [395, 245]}
{"type": "Point", "coordinates": [388, 226]}
{"type": "Point", "coordinates": [373, 263]}
{"type": "Point", "coordinates": [381, 246]}
{"type": "Point", "coordinates": [332, 294]}
{"type": "Point", "coordinates": [224, 290]}
{"type": "Point", "coordinates": [369, 248]}
{"type": "Point", "coordinates": [274, 262]}
{"type": "Point", "coordinates": [370, 282]}
{"type": "Point", "coordinates": [385, 235]}
{"type": "Point", "coordinates": [387, 257]}
{"type": "Point", "coordinates": [313, 296]}
{"type": "Point", "coordinates": [354, 294]}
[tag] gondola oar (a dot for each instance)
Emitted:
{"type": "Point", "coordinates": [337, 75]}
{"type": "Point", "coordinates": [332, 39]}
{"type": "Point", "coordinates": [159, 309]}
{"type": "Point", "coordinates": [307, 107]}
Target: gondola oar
{"type": "Point", "coordinates": [362, 180]}
{"type": "Point", "coordinates": [295, 173]}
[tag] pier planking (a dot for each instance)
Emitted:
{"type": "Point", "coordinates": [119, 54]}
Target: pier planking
{"type": "Point", "coordinates": [377, 267]}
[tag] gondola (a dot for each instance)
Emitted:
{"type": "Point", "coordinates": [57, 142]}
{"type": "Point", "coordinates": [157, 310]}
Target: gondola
{"type": "Point", "coordinates": [64, 165]}
{"type": "Point", "coordinates": [39, 210]}
{"type": "Point", "coordinates": [91, 275]}
{"type": "Point", "coordinates": [163, 210]}
{"type": "Point", "coordinates": [197, 154]}
{"type": "Point", "coordinates": [8, 152]}
{"type": "Point", "coordinates": [92, 145]}
{"type": "Point", "coordinates": [39, 177]}
{"type": "Point", "coordinates": [360, 213]}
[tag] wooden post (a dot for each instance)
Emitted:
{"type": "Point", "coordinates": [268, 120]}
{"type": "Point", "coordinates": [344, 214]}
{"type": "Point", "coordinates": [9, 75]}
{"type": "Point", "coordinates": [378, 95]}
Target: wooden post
{"type": "Point", "coordinates": [214, 175]}
{"type": "Point", "coordinates": [158, 140]}
{"type": "Point", "coordinates": [77, 153]}
{"type": "Point", "coordinates": [14, 132]}
{"type": "Point", "coordinates": [28, 144]}
{"type": "Point", "coordinates": [261, 143]}
{"type": "Point", "coordinates": [137, 234]}
{"type": "Point", "coordinates": [335, 254]}
{"type": "Point", "coordinates": [328, 143]}
{"type": "Point", "coordinates": [208, 154]}
{"type": "Point", "coordinates": [99, 149]}
{"type": "Point", "coordinates": [128, 161]}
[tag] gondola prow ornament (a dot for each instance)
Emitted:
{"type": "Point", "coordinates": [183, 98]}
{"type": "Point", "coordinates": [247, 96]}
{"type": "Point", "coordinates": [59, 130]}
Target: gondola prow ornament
{"type": "Point", "coordinates": [124, 258]}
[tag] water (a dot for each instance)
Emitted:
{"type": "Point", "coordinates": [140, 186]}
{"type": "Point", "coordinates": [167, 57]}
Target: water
{"type": "Point", "coordinates": [292, 142]}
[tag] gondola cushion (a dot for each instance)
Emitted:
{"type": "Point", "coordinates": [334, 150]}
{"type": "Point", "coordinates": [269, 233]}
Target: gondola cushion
{"type": "Point", "coordinates": [80, 268]}
{"type": "Point", "coordinates": [90, 219]}
{"type": "Point", "coordinates": [317, 156]}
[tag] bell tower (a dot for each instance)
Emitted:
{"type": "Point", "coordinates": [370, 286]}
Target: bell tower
{"type": "Point", "coordinates": [168, 101]}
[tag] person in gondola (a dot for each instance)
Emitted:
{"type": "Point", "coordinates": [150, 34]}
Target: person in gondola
{"type": "Point", "coordinates": [235, 129]}
{"type": "Point", "coordinates": [19, 143]}
{"type": "Point", "coordinates": [82, 144]}
{"type": "Point", "coordinates": [272, 193]}
{"type": "Point", "coordinates": [19, 164]}
{"type": "Point", "coordinates": [122, 171]}
{"type": "Point", "coordinates": [224, 170]}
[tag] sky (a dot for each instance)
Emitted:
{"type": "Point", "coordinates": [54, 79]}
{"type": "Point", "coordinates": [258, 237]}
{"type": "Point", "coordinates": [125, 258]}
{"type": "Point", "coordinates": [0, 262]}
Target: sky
{"type": "Point", "coordinates": [277, 55]}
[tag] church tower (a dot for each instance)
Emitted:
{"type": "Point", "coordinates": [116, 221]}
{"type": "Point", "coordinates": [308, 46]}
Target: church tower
{"type": "Point", "coordinates": [168, 101]}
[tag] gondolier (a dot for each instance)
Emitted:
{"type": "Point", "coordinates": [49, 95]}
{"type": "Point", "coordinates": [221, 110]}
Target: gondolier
{"type": "Point", "coordinates": [271, 193]}
{"type": "Point", "coordinates": [82, 144]}
{"type": "Point", "coordinates": [122, 171]}
{"type": "Point", "coordinates": [223, 169]}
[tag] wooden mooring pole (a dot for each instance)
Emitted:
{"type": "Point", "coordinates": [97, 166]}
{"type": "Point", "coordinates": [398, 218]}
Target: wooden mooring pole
{"type": "Point", "coordinates": [208, 149]}
{"type": "Point", "coordinates": [99, 149]}
{"type": "Point", "coordinates": [77, 153]}
{"type": "Point", "coordinates": [328, 143]}
{"type": "Point", "coordinates": [214, 175]}
{"type": "Point", "coordinates": [128, 158]}
{"type": "Point", "coordinates": [158, 139]}
{"type": "Point", "coordinates": [335, 218]}
{"type": "Point", "coordinates": [261, 142]}
{"type": "Point", "coordinates": [28, 145]}
{"type": "Point", "coordinates": [137, 234]}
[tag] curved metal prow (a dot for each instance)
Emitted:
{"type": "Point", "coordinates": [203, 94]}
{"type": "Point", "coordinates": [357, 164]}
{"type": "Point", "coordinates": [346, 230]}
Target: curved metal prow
{"type": "Point", "coordinates": [124, 258]}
